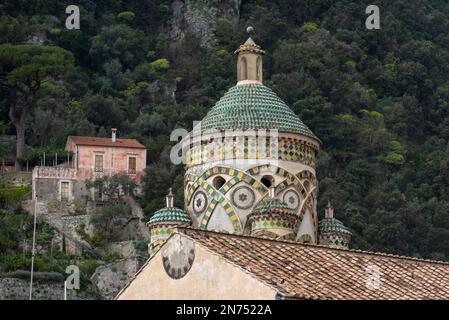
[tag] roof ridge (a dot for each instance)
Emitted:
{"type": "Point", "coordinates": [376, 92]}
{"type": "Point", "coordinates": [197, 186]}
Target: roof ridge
{"type": "Point", "coordinates": [105, 141]}
{"type": "Point", "coordinates": [93, 137]}
{"type": "Point", "coordinates": [318, 246]}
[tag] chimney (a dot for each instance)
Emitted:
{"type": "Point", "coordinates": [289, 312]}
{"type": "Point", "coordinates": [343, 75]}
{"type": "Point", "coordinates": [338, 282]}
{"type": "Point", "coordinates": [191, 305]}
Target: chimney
{"type": "Point", "coordinates": [114, 133]}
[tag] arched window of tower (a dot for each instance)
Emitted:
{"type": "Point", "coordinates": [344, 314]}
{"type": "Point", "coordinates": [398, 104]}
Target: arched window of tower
{"type": "Point", "coordinates": [306, 184]}
{"type": "Point", "coordinates": [267, 181]}
{"type": "Point", "coordinates": [243, 69]}
{"type": "Point", "coordinates": [218, 182]}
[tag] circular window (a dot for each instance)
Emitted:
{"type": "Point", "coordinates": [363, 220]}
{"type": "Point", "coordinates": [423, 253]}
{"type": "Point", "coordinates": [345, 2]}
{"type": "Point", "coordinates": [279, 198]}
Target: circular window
{"type": "Point", "coordinates": [218, 182]}
{"type": "Point", "coordinates": [267, 181]}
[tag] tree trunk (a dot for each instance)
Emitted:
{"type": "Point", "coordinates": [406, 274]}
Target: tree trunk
{"type": "Point", "coordinates": [20, 144]}
{"type": "Point", "coordinates": [20, 125]}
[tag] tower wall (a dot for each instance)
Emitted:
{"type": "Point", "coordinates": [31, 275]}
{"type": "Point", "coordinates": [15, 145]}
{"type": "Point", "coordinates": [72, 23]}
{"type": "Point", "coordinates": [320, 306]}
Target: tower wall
{"type": "Point", "coordinates": [249, 67]}
{"type": "Point", "coordinates": [244, 170]}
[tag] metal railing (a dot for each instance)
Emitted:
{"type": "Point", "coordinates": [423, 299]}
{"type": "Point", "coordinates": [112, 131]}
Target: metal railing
{"type": "Point", "coordinates": [80, 173]}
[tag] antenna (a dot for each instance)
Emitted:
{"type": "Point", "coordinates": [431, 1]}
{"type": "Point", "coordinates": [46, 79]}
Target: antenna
{"type": "Point", "coordinates": [33, 249]}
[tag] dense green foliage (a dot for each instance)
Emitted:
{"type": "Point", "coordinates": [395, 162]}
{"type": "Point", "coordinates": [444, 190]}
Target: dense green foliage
{"type": "Point", "coordinates": [113, 187]}
{"type": "Point", "coordinates": [378, 99]}
{"type": "Point", "coordinates": [16, 234]}
{"type": "Point", "coordinates": [26, 72]}
{"type": "Point", "coordinates": [108, 222]}
{"type": "Point", "coordinates": [10, 195]}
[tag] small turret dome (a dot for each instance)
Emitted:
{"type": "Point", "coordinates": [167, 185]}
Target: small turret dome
{"type": "Point", "coordinates": [328, 225]}
{"type": "Point", "coordinates": [332, 231]}
{"type": "Point", "coordinates": [271, 206]}
{"type": "Point", "coordinates": [163, 221]}
{"type": "Point", "coordinates": [169, 215]}
{"type": "Point", "coordinates": [272, 218]}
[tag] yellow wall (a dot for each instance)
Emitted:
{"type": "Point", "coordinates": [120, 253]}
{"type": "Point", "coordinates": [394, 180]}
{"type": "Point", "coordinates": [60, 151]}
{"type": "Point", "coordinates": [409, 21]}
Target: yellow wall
{"type": "Point", "coordinates": [211, 277]}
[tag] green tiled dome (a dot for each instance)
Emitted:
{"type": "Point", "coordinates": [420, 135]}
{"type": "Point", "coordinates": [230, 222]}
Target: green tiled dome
{"type": "Point", "coordinates": [253, 106]}
{"type": "Point", "coordinates": [272, 205]}
{"type": "Point", "coordinates": [330, 225]}
{"type": "Point", "coordinates": [169, 215]}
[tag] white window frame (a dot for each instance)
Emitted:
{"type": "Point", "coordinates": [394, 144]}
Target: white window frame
{"type": "Point", "coordinates": [70, 195]}
{"type": "Point", "coordinates": [127, 164]}
{"type": "Point", "coordinates": [95, 154]}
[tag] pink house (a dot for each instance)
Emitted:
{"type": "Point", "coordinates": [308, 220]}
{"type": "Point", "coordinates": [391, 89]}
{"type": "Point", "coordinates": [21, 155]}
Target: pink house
{"type": "Point", "coordinates": [94, 157]}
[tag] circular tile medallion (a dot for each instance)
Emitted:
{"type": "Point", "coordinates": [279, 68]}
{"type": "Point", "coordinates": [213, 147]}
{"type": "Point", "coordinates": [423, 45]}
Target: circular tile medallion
{"type": "Point", "coordinates": [291, 198]}
{"type": "Point", "coordinates": [243, 197]}
{"type": "Point", "coordinates": [199, 202]}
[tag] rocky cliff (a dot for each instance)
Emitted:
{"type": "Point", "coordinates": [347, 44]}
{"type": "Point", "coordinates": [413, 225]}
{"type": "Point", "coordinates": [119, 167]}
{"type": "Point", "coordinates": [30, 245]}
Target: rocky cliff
{"type": "Point", "coordinates": [199, 17]}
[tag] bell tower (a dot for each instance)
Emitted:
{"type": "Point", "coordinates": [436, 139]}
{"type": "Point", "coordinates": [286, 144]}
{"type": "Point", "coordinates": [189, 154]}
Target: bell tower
{"type": "Point", "coordinates": [249, 62]}
{"type": "Point", "coordinates": [250, 165]}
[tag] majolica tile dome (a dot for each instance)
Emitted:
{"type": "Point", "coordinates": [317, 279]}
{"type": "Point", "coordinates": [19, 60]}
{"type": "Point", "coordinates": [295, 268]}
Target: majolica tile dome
{"type": "Point", "coordinates": [253, 106]}
{"type": "Point", "coordinates": [169, 215]}
{"type": "Point", "coordinates": [163, 221]}
{"type": "Point", "coordinates": [332, 231]}
{"type": "Point", "coordinates": [272, 218]}
{"type": "Point", "coordinates": [271, 206]}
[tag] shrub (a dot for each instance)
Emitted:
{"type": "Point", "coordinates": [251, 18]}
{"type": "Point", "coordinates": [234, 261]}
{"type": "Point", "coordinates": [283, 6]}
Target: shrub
{"type": "Point", "coordinates": [12, 195]}
{"type": "Point", "coordinates": [164, 8]}
{"type": "Point", "coordinates": [309, 26]}
{"type": "Point", "coordinates": [160, 64]}
{"type": "Point", "coordinates": [111, 257]}
{"type": "Point", "coordinates": [142, 246]}
{"type": "Point", "coordinates": [126, 17]}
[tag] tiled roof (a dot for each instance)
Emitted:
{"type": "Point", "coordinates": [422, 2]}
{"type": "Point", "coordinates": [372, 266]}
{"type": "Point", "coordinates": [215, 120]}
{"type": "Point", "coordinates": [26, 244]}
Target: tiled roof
{"type": "Point", "coordinates": [328, 225]}
{"type": "Point", "coordinates": [106, 142]}
{"type": "Point", "coordinates": [253, 106]}
{"type": "Point", "coordinates": [169, 215]}
{"type": "Point", "coordinates": [318, 272]}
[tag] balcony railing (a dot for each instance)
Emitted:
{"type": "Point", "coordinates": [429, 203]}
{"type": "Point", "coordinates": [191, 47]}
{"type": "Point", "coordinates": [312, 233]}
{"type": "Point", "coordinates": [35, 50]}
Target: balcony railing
{"type": "Point", "coordinates": [54, 172]}
{"type": "Point", "coordinates": [81, 173]}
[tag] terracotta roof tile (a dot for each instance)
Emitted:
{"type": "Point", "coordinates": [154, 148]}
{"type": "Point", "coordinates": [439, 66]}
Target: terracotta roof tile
{"type": "Point", "coordinates": [317, 272]}
{"type": "Point", "coordinates": [106, 142]}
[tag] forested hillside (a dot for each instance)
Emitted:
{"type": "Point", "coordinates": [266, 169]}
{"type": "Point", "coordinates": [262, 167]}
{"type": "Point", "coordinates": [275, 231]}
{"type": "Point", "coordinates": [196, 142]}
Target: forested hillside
{"type": "Point", "coordinates": [378, 99]}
